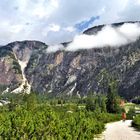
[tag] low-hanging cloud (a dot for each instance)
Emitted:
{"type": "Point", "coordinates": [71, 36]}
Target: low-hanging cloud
{"type": "Point", "coordinates": [108, 36]}
{"type": "Point", "coordinates": [54, 48]}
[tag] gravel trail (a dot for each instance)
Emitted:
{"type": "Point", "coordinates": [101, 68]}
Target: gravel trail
{"type": "Point", "coordinates": [120, 131]}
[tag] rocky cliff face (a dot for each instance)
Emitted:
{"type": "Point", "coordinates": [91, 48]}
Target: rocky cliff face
{"type": "Point", "coordinates": [27, 65]}
{"type": "Point", "coordinates": [14, 58]}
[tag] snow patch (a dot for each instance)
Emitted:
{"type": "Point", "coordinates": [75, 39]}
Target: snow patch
{"type": "Point", "coordinates": [5, 91]}
{"type": "Point", "coordinates": [25, 86]}
{"type": "Point", "coordinates": [79, 96]}
{"type": "Point", "coordinates": [71, 79]}
{"type": "Point", "coordinates": [71, 91]}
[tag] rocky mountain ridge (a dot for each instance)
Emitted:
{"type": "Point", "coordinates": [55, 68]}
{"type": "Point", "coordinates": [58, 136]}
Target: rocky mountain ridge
{"type": "Point", "coordinates": [27, 65]}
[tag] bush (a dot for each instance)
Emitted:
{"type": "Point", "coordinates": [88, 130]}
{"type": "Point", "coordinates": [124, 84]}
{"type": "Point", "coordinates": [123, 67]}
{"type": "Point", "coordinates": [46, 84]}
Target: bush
{"type": "Point", "coordinates": [107, 117]}
{"type": "Point", "coordinates": [136, 122]}
{"type": "Point", "coordinates": [131, 113]}
{"type": "Point", "coordinates": [45, 123]}
{"type": "Point", "coordinates": [90, 106]}
{"type": "Point", "coordinates": [30, 120]}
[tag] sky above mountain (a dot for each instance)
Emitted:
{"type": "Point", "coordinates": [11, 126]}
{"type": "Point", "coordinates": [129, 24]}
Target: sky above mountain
{"type": "Point", "coordinates": [55, 21]}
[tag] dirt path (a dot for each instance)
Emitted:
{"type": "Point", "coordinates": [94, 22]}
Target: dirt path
{"type": "Point", "coordinates": [120, 131]}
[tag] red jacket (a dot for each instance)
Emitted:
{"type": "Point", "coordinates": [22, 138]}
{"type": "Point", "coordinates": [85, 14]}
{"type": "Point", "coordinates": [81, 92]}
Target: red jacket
{"type": "Point", "coordinates": [124, 115]}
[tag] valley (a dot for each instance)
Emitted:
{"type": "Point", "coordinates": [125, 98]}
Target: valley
{"type": "Point", "coordinates": [69, 94]}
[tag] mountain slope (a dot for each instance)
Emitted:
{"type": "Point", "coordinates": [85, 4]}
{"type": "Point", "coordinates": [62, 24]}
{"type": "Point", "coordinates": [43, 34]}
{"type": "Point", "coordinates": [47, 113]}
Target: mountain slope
{"type": "Point", "coordinates": [70, 72]}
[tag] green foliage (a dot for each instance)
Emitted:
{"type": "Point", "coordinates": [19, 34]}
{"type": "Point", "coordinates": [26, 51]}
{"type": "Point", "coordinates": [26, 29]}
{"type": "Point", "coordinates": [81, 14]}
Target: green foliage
{"type": "Point", "coordinates": [108, 117]}
{"type": "Point", "coordinates": [59, 101]}
{"type": "Point", "coordinates": [5, 51]}
{"type": "Point", "coordinates": [90, 106]}
{"type": "Point", "coordinates": [31, 101]}
{"type": "Point", "coordinates": [112, 102]}
{"type": "Point", "coordinates": [96, 104]}
{"type": "Point", "coordinates": [2, 88]}
{"type": "Point", "coordinates": [16, 67]}
{"type": "Point", "coordinates": [25, 118]}
{"type": "Point", "coordinates": [136, 122]}
{"type": "Point", "coordinates": [103, 105]}
{"type": "Point", "coordinates": [131, 113]}
{"type": "Point", "coordinates": [46, 124]}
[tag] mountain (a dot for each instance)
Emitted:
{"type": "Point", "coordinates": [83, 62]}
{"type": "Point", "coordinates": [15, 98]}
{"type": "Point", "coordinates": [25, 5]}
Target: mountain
{"type": "Point", "coordinates": [26, 66]}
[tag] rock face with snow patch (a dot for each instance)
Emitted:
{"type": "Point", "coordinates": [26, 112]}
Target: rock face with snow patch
{"type": "Point", "coordinates": [14, 58]}
{"type": "Point", "coordinates": [27, 65]}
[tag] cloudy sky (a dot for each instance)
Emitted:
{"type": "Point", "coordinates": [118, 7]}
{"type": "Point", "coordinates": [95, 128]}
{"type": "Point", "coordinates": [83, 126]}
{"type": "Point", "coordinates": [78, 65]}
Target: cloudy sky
{"type": "Point", "coordinates": [55, 21]}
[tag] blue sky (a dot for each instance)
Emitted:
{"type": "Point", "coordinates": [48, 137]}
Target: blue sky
{"type": "Point", "coordinates": [55, 21]}
{"type": "Point", "coordinates": [86, 24]}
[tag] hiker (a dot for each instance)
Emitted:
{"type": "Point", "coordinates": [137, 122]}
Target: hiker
{"type": "Point", "coordinates": [123, 116]}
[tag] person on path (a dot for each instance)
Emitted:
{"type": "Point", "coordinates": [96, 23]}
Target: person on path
{"type": "Point", "coordinates": [124, 116]}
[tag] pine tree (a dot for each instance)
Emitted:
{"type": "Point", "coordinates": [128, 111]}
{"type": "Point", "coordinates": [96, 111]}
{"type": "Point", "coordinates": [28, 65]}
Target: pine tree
{"type": "Point", "coordinates": [90, 106]}
{"type": "Point", "coordinates": [112, 98]}
{"type": "Point", "coordinates": [98, 104]}
{"type": "Point", "coordinates": [31, 101]}
{"type": "Point", "coordinates": [103, 105]}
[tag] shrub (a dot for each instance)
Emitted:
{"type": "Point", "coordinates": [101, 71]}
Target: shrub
{"type": "Point", "coordinates": [136, 122]}
{"type": "Point", "coordinates": [30, 120]}
{"type": "Point", "coordinates": [131, 113]}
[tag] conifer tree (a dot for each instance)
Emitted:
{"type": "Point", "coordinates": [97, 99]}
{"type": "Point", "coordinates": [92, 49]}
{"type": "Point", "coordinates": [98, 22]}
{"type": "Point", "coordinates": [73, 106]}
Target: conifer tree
{"type": "Point", "coordinates": [112, 104]}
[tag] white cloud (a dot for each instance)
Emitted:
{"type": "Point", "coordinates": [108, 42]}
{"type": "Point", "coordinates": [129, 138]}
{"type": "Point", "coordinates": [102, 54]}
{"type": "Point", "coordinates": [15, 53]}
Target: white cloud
{"type": "Point", "coordinates": [131, 31]}
{"type": "Point", "coordinates": [55, 3]}
{"type": "Point", "coordinates": [42, 19]}
{"type": "Point", "coordinates": [138, 1]}
{"type": "Point", "coordinates": [54, 27]}
{"type": "Point", "coordinates": [131, 11]}
{"type": "Point", "coordinates": [69, 29]}
{"type": "Point", "coordinates": [16, 28]}
{"type": "Point", "coordinates": [54, 48]}
{"type": "Point", "coordinates": [108, 36]}
{"type": "Point", "coordinates": [39, 12]}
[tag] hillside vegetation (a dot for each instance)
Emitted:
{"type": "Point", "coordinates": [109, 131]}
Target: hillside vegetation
{"type": "Point", "coordinates": [37, 117]}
